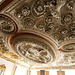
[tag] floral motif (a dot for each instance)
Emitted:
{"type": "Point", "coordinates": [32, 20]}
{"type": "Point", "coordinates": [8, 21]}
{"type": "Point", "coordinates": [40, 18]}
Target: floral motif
{"type": "Point", "coordinates": [28, 22]}
{"type": "Point", "coordinates": [67, 18]}
{"type": "Point", "coordinates": [38, 8]}
{"type": "Point", "coordinates": [53, 19]}
{"type": "Point", "coordinates": [33, 48]}
{"type": "Point", "coordinates": [25, 10]}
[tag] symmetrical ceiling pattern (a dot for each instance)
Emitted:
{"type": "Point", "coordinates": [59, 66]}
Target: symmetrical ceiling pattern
{"type": "Point", "coordinates": [38, 33]}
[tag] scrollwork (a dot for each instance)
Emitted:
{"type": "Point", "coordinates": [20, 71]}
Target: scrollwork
{"type": "Point", "coordinates": [68, 59]}
{"type": "Point", "coordinates": [23, 11]}
{"type": "Point", "coordinates": [67, 18]}
{"type": "Point", "coordinates": [38, 8]}
{"type": "Point", "coordinates": [48, 18]}
{"type": "Point", "coordinates": [3, 49]}
{"type": "Point", "coordinates": [7, 25]}
{"type": "Point", "coordinates": [64, 31]}
{"type": "Point", "coordinates": [33, 47]}
{"type": "Point", "coordinates": [51, 18]}
{"type": "Point", "coordinates": [41, 25]}
{"type": "Point", "coordinates": [69, 47]}
{"type": "Point", "coordinates": [29, 22]}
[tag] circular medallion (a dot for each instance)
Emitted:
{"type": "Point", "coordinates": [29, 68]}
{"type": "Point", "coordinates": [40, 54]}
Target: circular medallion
{"type": "Point", "coordinates": [38, 8]}
{"type": "Point", "coordinates": [7, 25]}
{"type": "Point", "coordinates": [67, 18]}
{"type": "Point", "coordinates": [26, 11]}
{"type": "Point", "coordinates": [33, 47]}
{"type": "Point", "coordinates": [29, 22]}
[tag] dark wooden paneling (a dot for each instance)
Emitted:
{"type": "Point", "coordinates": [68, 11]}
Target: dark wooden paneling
{"type": "Point", "coordinates": [5, 3]}
{"type": "Point", "coordinates": [42, 72]}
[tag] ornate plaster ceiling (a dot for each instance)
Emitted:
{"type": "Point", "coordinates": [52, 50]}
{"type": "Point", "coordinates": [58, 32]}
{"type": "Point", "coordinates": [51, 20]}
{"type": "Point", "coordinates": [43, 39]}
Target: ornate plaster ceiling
{"type": "Point", "coordinates": [39, 33]}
